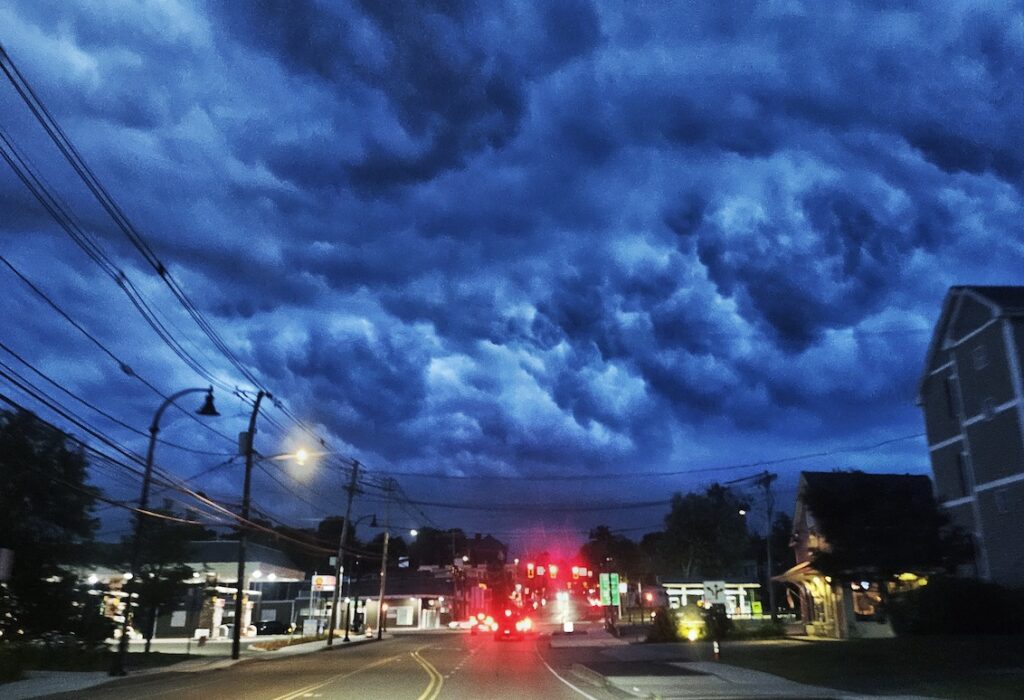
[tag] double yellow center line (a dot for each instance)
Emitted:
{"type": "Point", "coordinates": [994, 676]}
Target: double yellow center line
{"type": "Point", "coordinates": [436, 679]}
{"type": "Point", "coordinates": [316, 686]}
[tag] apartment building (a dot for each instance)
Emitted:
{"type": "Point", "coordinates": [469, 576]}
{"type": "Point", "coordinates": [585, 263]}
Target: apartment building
{"type": "Point", "coordinates": [973, 402]}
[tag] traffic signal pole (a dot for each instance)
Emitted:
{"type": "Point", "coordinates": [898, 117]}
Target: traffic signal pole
{"type": "Point", "coordinates": [339, 569]}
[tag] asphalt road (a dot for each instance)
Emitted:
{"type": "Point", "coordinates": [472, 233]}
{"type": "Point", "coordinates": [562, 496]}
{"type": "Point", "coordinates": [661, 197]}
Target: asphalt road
{"type": "Point", "coordinates": [416, 666]}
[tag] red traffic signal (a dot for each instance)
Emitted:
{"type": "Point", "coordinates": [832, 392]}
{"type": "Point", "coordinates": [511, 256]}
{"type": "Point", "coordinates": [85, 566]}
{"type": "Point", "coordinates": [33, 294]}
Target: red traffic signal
{"type": "Point", "coordinates": [530, 570]}
{"type": "Point", "coordinates": [575, 572]}
{"type": "Point", "coordinates": [554, 570]}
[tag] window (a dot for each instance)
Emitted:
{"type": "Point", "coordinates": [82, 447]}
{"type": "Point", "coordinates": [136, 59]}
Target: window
{"type": "Point", "coordinates": [980, 357]}
{"type": "Point", "coordinates": [962, 474]}
{"type": "Point", "coordinates": [1002, 501]}
{"type": "Point", "coordinates": [951, 395]}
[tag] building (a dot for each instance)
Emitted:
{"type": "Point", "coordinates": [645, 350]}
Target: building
{"type": "Point", "coordinates": [741, 598]}
{"type": "Point", "coordinates": [973, 402]}
{"type": "Point", "coordinates": [852, 607]}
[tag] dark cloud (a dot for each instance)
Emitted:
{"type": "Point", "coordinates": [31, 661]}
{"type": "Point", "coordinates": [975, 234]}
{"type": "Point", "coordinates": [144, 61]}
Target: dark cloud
{"type": "Point", "coordinates": [504, 238]}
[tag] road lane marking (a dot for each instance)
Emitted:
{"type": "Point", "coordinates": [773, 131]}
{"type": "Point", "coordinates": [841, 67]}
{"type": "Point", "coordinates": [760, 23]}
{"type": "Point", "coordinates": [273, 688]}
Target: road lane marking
{"type": "Point", "coordinates": [432, 690]}
{"type": "Point", "coordinates": [555, 674]}
{"type": "Point", "coordinates": [317, 686]}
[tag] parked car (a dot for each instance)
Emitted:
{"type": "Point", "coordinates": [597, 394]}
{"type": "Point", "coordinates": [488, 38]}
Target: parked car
{"type": "Point", "coordinates": [273, 627]}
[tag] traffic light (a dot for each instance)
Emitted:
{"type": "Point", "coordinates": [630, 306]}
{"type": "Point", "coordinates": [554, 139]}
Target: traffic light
{"type": "Point", "coordinates": [554, 570]}
{"type": "Point", "coordinates": [575, 573]}
{"type": "Point", "coordinates": [529, 570]}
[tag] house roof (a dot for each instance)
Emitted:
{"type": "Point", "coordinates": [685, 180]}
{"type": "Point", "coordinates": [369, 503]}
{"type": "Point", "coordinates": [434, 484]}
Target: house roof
{"type": "Point", "coordinates": [1009, 298]}
{"type": "Point", "coordinates": [881, 482]}
{"type": "Point", "coordinates": [1004, 300]}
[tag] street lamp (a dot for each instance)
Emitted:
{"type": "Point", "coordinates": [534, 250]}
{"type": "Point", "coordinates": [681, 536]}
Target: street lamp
{"type": "Point", "coordinates": [246, 440]}
{"type": "Point", "coordinates": [207, 409]}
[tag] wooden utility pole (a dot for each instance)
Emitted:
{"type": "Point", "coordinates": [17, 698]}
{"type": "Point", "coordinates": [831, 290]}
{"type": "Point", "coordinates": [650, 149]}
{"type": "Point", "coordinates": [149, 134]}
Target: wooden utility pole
{"type": "Point", "coordinates": [765, 482]}
{"type": "Point", "coordinates": [339, 569]}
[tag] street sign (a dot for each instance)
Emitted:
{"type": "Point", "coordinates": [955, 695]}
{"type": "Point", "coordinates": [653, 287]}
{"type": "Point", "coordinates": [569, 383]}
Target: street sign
{"type": "Point", "coordinates": [613, 584]}
{"type": "Point", "coordinates": [714, 593]}
{"type": "Point", "coordinates": [603, 587]}
{"type": "Point", "coordinates": [323, 583]}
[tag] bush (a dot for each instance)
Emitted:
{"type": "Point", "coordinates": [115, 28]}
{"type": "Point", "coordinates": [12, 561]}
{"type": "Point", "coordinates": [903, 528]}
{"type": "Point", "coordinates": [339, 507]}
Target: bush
{"type": "Point", "coordinates": [957, 606]}
{"type": "Point", "coordinates": [757, 629]}
{"type": "Point", "coordinates": [11, 665]}
{"type": "Point", "coordinates": [716, 623]}
{"type": "Point", "coordinates": [663, 628]}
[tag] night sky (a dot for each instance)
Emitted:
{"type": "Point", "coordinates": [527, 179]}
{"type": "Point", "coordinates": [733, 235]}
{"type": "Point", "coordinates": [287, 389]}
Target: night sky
{"type": "Point", "coordinates": [515, 239]}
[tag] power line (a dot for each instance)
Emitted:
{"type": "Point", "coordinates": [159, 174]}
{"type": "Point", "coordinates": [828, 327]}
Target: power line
{"type": "Point", "coordinates": [605, 476]}
{"type": "Point", "coordinates": [122, 365]}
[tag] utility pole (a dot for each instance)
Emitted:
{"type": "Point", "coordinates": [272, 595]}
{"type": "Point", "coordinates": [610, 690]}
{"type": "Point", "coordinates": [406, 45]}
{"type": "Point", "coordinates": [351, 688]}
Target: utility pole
{"type": "Point", "coordinates": [247, 440]}
{"type": "Point", "coordinates": [765, 482]}
{"type": "Point", "coordinates": [339, 561]}
{"type": "Point", "coordinates": [388, 488]}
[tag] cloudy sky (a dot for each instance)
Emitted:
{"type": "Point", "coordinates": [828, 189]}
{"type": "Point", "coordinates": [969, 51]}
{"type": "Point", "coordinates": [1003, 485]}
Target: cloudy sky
{"type": "Point", "coordinates": [516, 239]}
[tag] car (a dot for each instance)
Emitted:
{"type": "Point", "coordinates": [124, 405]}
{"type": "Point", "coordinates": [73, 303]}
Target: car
{"type": "Point", "coordinates": [483, 623]}
{"type": "Point", "coordinates": [273, 627]}
{"type": "Point", "coordinates": [511, 626]}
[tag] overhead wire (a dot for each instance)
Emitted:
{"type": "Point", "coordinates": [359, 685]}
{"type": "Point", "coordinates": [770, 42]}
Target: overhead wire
{"type": "Point", "coordinates": [122, 365]}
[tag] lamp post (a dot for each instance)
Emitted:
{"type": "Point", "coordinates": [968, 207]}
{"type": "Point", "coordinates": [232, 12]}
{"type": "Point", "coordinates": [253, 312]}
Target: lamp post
{"type": "Point", "coordinates": [247, 439]}
{"type": "Point", "coordinates": [207, 409]}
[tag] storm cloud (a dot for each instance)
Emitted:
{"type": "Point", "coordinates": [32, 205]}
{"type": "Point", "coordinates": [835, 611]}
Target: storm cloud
{"type": "Point", "coordinates": [530, 238]}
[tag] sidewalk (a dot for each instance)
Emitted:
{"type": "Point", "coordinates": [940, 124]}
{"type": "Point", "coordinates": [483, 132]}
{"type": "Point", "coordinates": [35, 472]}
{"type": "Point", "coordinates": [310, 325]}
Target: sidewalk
{"type": "Point", "coordinates": [648, 672]}
{"type": "Point", "coordinates": [587, 638]}
{"type": "Point", "coordinates": [39, 683]}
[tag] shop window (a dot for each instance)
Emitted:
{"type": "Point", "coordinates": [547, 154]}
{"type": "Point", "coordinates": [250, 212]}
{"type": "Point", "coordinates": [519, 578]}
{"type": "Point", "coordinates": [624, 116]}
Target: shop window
{"type": "Point", "coordinates": [866, 601]}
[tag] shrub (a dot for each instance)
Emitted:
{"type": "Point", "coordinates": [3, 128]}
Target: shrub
{"type": "Point", "coordinates": [757, 629]}
{"type": "Point", "coordinates": [957, 606]}
{"type": "Point", "coordinates": [664, 627]}
{"type": "Point", "coordinates": [11, 665]}
{"type": "Point", "coordinates": [716, 623]}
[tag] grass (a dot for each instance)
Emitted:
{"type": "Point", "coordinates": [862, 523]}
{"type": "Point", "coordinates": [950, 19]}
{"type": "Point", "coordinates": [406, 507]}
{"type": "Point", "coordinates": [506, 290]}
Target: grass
{"type": "Point", "coordinates": [938, 666]}
{"type": "Point", "coordinates": [15, 659]}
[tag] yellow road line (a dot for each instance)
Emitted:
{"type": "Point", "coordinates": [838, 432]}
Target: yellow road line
{"type": "Point", "coordinates": [291, 695]}
{"type": "Point", "coordinates": [432, 690]}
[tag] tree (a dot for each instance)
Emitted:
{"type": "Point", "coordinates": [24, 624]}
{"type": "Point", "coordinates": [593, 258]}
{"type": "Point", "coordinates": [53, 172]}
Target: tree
{"type": "Point", "coordinates": [875, 536]}
{"type": "Point", "coordinates": [433, 547]}
{"type": "Point", "coordinates": [163, 550]}
{"type": "Point", "coordinates": [705, 535]}
{"type": "Point", "coordinates": [606, 551]}
{"type": "Point", "coordinates": [45, 518]}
